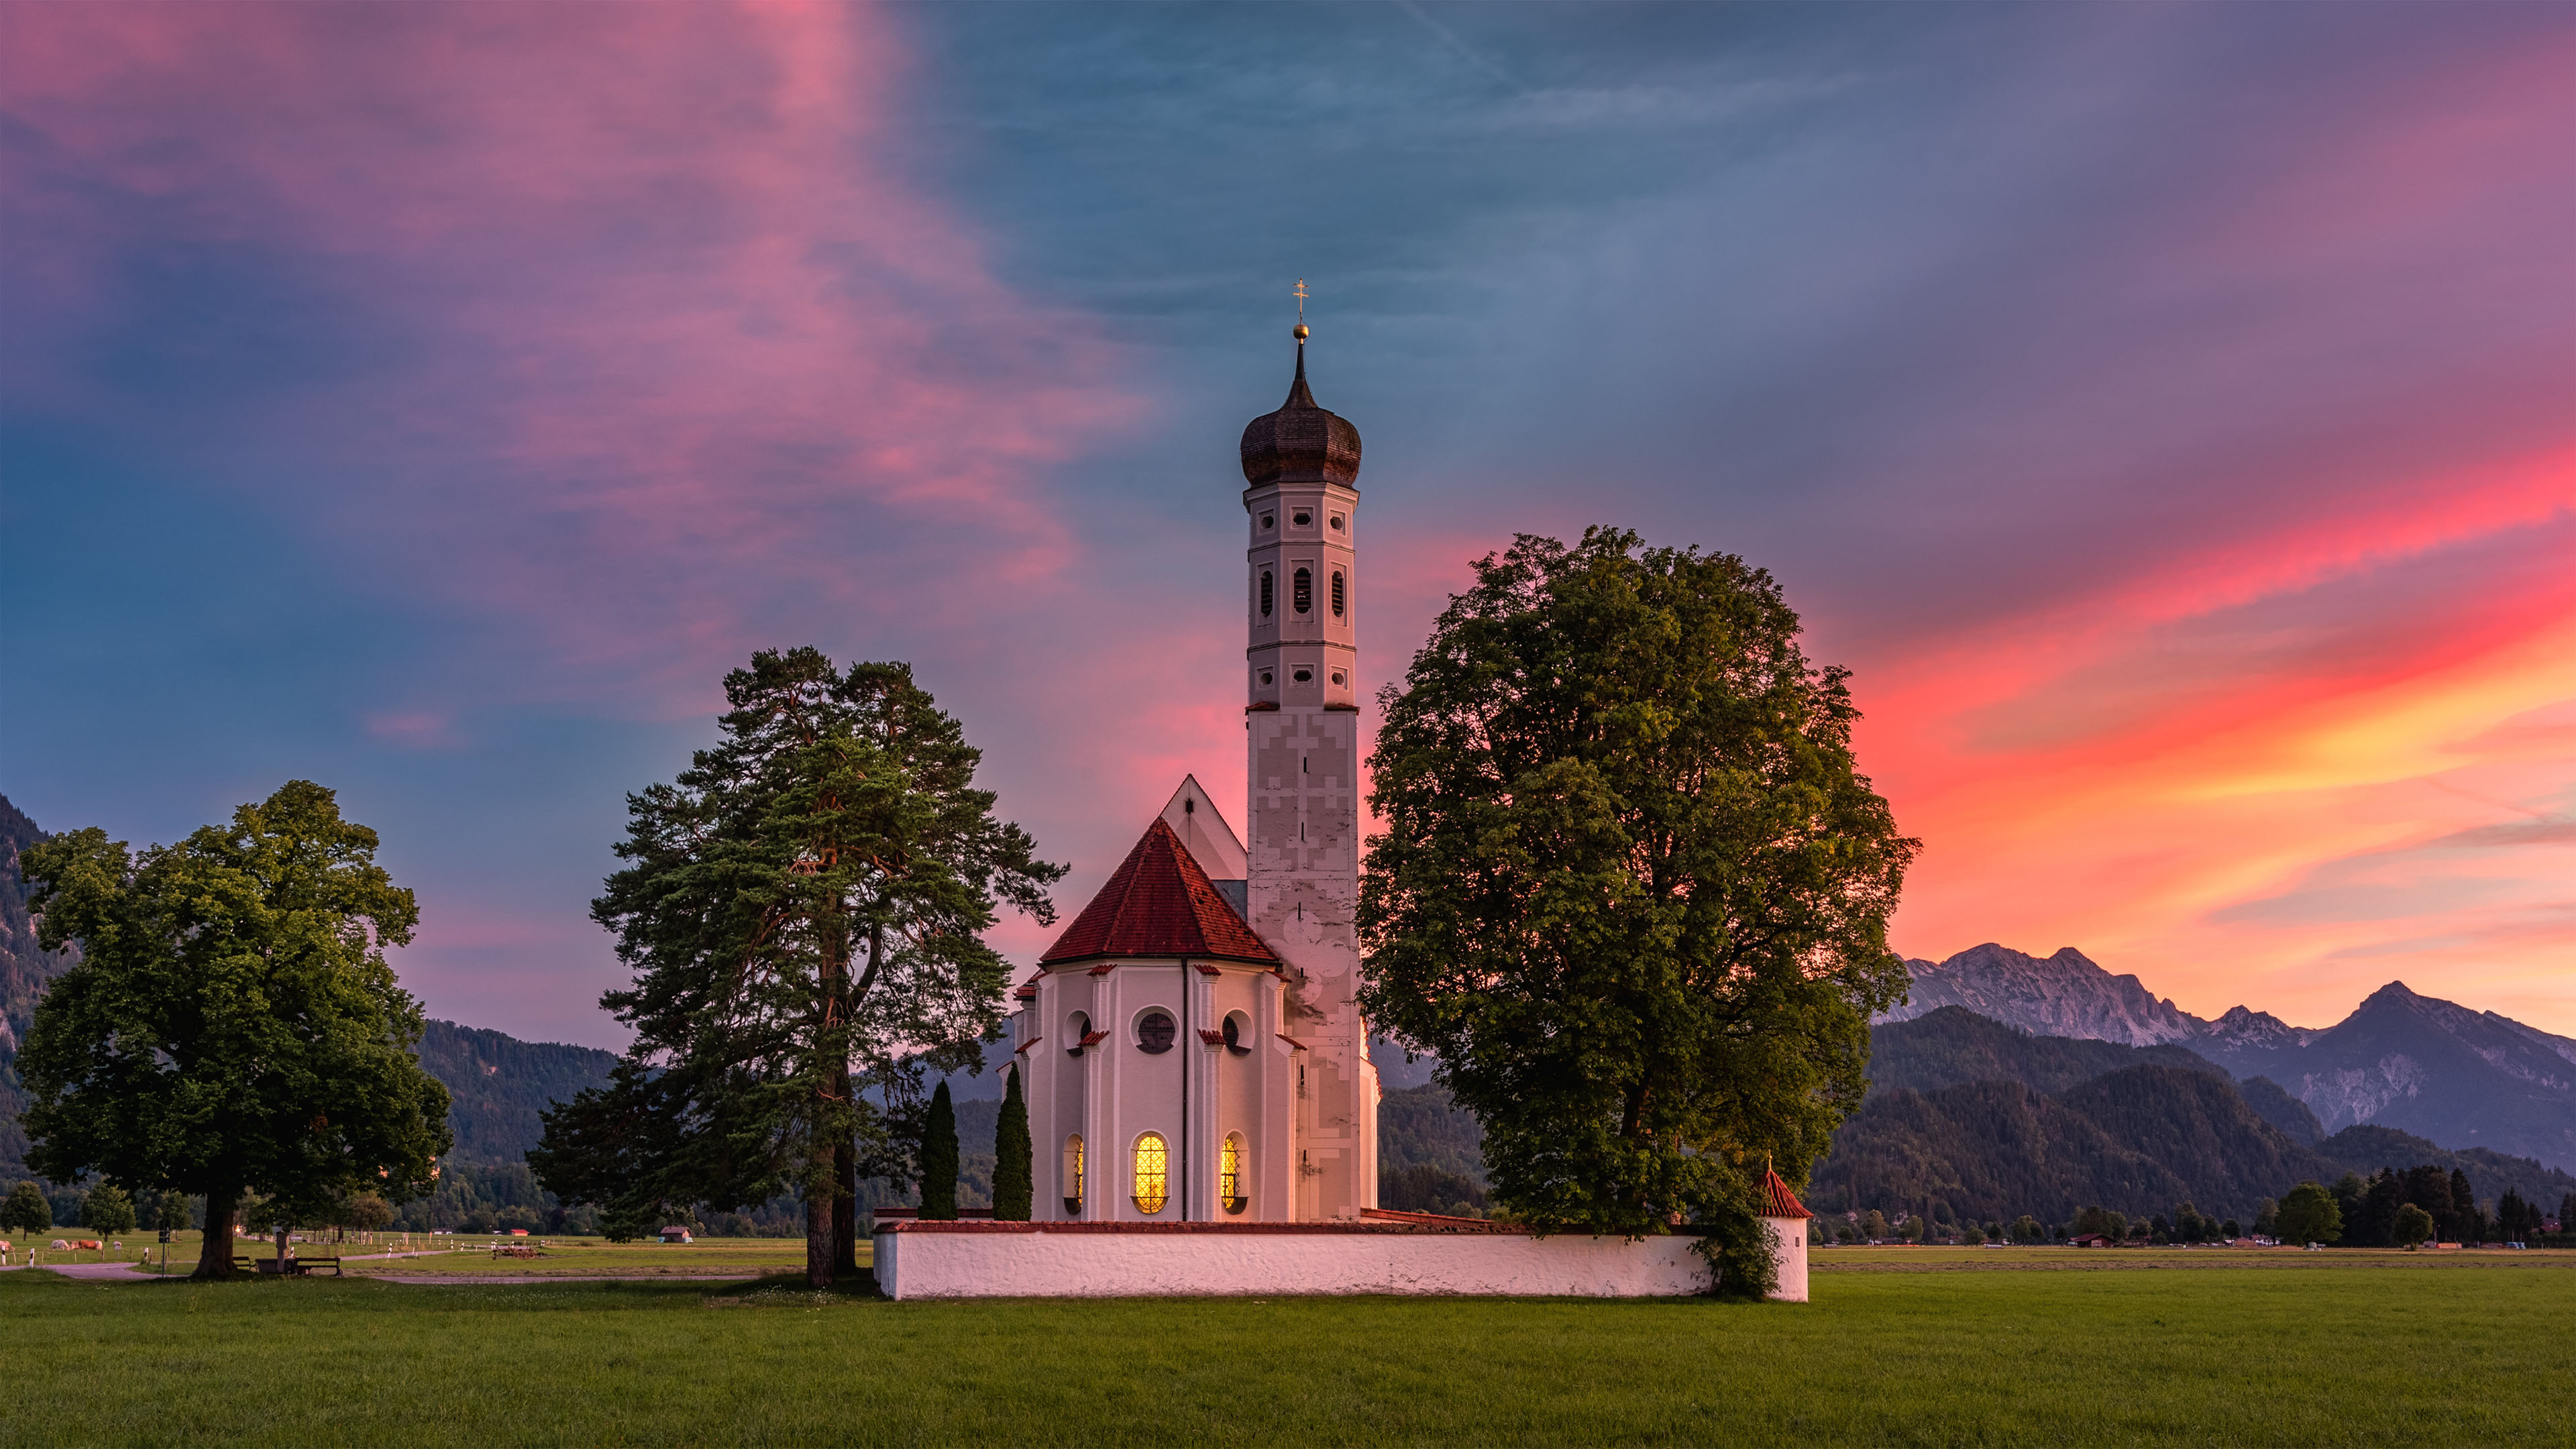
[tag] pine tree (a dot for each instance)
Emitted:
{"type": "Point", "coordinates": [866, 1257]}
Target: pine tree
{"type": "Point", "coordinates": [939, 1160]}
{"type": "Point", "coordinates": [803, 908]}
{"type": "Point", "coordinates": [2464, 1209]}
{"type": "Point", "coordinates": [1014, 1166]}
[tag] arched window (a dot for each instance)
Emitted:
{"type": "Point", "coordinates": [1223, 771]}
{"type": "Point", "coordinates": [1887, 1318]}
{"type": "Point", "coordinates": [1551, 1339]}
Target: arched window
{"type": "Point", "coordinates": [1076, 1027]}
{"type": "Point", "coordinates": [1337, 593]}
{"type": "Point", "coordinates": [1073, 1173]}
{"type": "Point", "coordinates": [1265, 593]}
{"type": "Point", "coordinates": [1154, 1033]}
{"type": "Point", "coordinates": [1229, 1174]}
{"type": "Point", "coordinates": [1301, 591]}
{"type": "Point", "coordinates": [1236, 1029]}
{"type": "Point", "coordinates": [1153, 1173]}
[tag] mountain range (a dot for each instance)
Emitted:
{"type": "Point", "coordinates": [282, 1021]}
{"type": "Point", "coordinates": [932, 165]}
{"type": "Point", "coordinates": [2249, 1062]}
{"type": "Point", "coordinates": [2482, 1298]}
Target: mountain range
{"type": "Point", "coordinates": [2421, 1065]}
{"type": "Point", "coordinates": [1987, 1121]}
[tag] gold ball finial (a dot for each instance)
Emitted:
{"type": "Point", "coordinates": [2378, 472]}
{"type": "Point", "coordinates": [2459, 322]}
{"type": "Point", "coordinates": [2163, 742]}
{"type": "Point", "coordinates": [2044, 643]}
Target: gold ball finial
{"type": "Point", "coordinates": [1301, 332]}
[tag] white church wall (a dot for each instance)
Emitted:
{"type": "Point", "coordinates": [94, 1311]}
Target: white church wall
{"type": "Point", "coordinates": [990, 1260]}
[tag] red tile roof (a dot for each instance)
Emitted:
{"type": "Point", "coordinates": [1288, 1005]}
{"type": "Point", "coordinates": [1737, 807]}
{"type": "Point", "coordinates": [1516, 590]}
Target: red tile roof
{"type": "Point", "coordinates": [1158, 904]}
{"type": "Point", "coordinates": [1778, 1201]}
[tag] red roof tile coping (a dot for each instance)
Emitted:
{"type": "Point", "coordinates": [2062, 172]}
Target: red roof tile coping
{"type": "Point", "coordinates": [1094, 1038]}
{"type": "Point", "coordinates": [1212, 1038]}
{"type": "Point", "coordinates": [1778, 1201]}
{"type": "Point", "coordinates": [1292, 1041]}
{"type": "Point", "coordinates": [1024, 1046]}
{"type": "Point", "coordinates": [1158, 904]}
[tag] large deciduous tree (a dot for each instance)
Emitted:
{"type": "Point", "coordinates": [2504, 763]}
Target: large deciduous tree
{"type": "Point", "coordinates": [232, 1026]}
{"type": "Point", "coordinates": [1632, 889]}
{"type": "Point", "coordinates": [803, 909]}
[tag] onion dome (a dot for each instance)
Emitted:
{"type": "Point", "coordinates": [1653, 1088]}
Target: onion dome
{"type": "Point", "coordinates": [1300, 443]}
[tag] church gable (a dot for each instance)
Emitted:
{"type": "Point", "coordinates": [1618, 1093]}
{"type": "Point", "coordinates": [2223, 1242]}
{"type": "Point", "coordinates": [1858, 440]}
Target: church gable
{"type": "Point", "coordinates": [1159, 903]}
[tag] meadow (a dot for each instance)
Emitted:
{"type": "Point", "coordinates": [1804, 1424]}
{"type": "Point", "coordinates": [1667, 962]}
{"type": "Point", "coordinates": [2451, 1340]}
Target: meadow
{"type": "Point", "coordinates": [1898, 1348]}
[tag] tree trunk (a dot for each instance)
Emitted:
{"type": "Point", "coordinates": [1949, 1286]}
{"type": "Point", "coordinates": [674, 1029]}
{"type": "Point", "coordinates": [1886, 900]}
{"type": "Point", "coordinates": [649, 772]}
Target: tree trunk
{"type": "Point", "coordinates": [281, 1248]}
{"type": "Point", "coordinates": [845, 1208]}
{"type": "Point", "coordinates": [819, 1198]}
{"type": "Point", "coordinates": [215, 1254]}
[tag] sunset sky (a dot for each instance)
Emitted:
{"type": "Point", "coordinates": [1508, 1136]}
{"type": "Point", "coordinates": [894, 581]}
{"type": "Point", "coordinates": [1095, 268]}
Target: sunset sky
{"type": "Point", "coordinates": [2167, 411]}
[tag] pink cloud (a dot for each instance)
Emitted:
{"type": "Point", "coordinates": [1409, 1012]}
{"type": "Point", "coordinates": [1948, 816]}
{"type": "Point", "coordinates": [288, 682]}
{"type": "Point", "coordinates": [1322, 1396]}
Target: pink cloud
{"type": "Point", "coordinates": [663, 354]}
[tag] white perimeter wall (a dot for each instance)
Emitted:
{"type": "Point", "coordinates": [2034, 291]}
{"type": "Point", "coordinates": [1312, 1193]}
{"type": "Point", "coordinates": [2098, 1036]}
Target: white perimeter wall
{"type": "Point", "coordinates": [1145, 1265]}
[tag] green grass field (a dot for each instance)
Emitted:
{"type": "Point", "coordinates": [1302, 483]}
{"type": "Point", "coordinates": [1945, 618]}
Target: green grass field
{"type": "Point", "coordinates": [1898, 1348]}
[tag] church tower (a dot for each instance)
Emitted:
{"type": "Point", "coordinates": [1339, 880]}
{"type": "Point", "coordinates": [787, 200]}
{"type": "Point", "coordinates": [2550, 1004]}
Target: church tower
{"type": "Point", "coordinates": [1301, 465]}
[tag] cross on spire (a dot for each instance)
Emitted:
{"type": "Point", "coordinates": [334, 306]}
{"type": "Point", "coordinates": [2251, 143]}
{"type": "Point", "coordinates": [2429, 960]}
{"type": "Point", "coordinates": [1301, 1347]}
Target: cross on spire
{"type": "Point", "coordinates": [1301, 313]}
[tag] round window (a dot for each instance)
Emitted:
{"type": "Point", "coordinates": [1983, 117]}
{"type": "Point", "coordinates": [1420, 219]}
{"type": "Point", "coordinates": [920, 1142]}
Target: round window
{"type": "Point", "coordinates": [1154, 1032]}
{"type": "Point", "coordinates": [1302, 519]}
{"type": "Point", "coordinates": [1303, 675]}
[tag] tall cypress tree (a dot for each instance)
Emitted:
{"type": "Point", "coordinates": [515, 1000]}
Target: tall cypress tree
{"type": "Point", "coordinates": [1013, 1165]}
{"type": "Point", "coordinates": [939, 1160]}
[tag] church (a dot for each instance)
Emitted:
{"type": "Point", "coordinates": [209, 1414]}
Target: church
{"type": "Point", "coordinates": [1191, 1049]}
{"type": "Point", "coordinates": [1202, 1107]}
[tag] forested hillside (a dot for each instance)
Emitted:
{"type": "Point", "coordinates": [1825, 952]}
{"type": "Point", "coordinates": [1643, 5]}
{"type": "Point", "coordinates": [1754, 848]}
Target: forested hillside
{"type": "Point", "coordinates": [497, 1085]}
{"type": "Point", "coordinates": [24, 970]}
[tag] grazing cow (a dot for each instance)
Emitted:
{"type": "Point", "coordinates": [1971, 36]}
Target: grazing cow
{"type": "Point", "coordinates": [85, 1245]}
{"type": "Point", "coordinates": [60, 1246]}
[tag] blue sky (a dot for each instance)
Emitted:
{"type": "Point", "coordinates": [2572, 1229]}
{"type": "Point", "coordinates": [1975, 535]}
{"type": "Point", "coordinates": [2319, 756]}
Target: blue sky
{"type": "Point", "coordinates": [2164, 409]}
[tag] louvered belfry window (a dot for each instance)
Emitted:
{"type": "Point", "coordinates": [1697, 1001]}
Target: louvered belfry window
{"type": "Point", "coordinates": [1301, 591]}
{"type": "Point", "coordinates": [1337, 593]}
{"type": "Point", "coordinates": [1265, 593]}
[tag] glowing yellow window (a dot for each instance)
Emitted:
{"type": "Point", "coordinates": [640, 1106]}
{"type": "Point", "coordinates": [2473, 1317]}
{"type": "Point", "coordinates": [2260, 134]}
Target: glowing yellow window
{"type": "Point", "coordinates": [1073, 1173]}
{"type": "Point", "coordinates": [1153, 1173]}
{"type": "Point", "coordinates": [1230, 1173]}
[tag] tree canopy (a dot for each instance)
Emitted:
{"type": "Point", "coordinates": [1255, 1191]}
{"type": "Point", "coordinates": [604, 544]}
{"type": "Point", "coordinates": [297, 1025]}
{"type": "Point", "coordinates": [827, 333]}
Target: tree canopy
{"type": "Point", "coordinates": [1632, 889]}
{"type": "Point", "coordinates": [232, 1026]}
{"type": "Point", "coordinates": [2308, 1214]}
{"type": "Point", "coordinates": [803, 910]}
